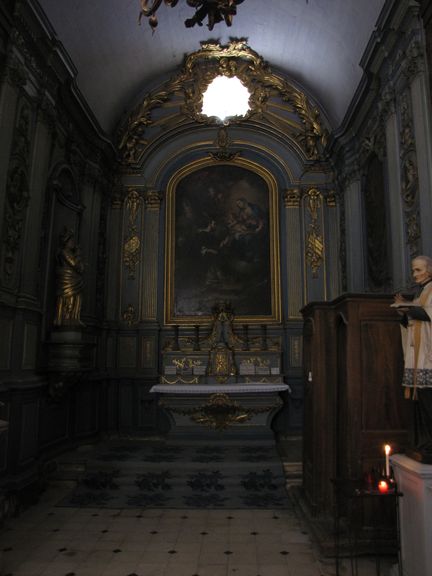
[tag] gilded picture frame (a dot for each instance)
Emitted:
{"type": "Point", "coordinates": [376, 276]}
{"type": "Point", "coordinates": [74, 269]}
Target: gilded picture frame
{"type": "Point", "coordinates": [222, 243]}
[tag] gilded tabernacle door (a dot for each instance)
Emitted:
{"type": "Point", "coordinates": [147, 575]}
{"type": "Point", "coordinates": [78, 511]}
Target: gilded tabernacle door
{"type": "Point", "coordinates": [222, 243]}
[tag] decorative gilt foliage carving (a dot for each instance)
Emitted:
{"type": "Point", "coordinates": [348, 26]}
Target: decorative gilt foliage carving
{"type": "Point", "coordinates": [314, 238]}
{"type": "Point", "coordinates": [129, 315]}
{"type": "Point", "coordinates": [133, 202]}
{"type": "Point", "coordinates": [301, 119]}
{"type": "Point", "coordinates": [131, 251]}
{"type": "Point", "coordinates": [223, 142]}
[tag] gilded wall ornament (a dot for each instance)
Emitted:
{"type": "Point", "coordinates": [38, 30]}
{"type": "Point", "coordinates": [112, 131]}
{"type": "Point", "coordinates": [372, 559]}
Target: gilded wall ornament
{"type": "Point", "coordinates": [133, 202]}
{"type": "Point", "coordinates": [223, 143]}
{"type": "Point", "coordinates": [186, 90]}
{"type": "Point", "coordinates": [131, 252]}
{"type": "Point", "coordinates": [314, 238]}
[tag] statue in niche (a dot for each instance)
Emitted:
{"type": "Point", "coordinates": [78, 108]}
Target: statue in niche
{"type": "Point", "coordinates": [416, 327]}
{"type": "Point", "coordinates": [69, 274]}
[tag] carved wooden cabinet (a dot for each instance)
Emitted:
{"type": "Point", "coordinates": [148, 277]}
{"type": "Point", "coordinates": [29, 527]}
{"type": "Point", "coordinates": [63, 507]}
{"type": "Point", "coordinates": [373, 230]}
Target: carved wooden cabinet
{"type": "Point", "coordinates": [353, 396]}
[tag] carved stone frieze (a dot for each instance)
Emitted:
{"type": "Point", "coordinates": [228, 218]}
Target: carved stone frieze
{"type": "Point", "coordinates": [413, 233]}
{"type": "Point", "coordinates": [47, 111]}
{"type": "Point", "coordinates": [387, 102]}
{"type": "Point", "coordinates": [15, 72]}
{"type": "Point", "coordinates": [409, 184]}
{"type": "Point", "coordinates": [373, 140]}
{"type": "Point", "coordinates": [412, 60]}
{"type": "Point", "coordinates": [409, 174]}
{"type": "Point", "coordinates": [17, 198]}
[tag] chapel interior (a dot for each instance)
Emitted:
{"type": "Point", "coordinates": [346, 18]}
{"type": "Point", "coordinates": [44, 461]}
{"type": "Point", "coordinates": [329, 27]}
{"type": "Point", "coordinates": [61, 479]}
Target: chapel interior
{"type": "Point", "coordinates": [152, 253]}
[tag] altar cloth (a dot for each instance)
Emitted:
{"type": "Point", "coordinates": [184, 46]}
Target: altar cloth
{"type": "Point", "coordinates": [247, 388]}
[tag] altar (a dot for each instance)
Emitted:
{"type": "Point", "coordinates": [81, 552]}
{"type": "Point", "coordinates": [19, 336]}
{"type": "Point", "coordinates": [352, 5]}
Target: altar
{"type": "Point", "coordinates": [235, 411]}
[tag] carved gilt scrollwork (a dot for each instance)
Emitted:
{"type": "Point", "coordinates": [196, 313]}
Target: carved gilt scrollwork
{"type": "Point", "coordinates": [186, 90]}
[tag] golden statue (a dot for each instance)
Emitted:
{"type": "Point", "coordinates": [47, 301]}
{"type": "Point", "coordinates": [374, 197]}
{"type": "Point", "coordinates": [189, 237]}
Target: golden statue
{"type": "Point", "coordinates": [221, 362]}
{"type": "Point", "coordinates": [69, 273]}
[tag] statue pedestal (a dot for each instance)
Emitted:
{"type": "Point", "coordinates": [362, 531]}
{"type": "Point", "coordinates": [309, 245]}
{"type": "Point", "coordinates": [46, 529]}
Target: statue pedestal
{"type": "Point", "coordinates": [70, 350]}
{"type": "Point", "coordinates": [414, 480]}
{"type": "Point", "coordinates": [71, 354]}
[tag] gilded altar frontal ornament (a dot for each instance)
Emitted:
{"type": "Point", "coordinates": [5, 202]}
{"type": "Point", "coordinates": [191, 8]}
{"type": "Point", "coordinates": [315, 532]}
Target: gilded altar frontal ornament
{"type": "Point", "coordinates": [69, 276]}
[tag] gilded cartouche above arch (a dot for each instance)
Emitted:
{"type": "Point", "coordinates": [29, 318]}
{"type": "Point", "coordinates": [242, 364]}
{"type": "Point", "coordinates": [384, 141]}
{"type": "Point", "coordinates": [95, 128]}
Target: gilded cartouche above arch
{"type": "Point", "coordinates": [178, 102]}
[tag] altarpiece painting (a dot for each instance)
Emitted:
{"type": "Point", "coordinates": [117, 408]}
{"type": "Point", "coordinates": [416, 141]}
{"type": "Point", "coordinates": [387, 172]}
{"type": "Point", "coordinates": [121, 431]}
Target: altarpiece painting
{"type": "Point", "coordinates": [222, 243]}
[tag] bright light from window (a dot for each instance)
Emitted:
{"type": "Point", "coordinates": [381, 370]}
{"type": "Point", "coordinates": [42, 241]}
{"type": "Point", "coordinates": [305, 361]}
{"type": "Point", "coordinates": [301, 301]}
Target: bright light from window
{"type": "Point", "coordinates": [225, 97]}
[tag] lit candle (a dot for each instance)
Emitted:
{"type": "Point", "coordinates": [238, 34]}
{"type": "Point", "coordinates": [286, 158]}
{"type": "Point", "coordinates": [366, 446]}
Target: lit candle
{"type": "Point", "coordinates": [387, 449]}
{"type": "Point", "coordinates": [383, 486]}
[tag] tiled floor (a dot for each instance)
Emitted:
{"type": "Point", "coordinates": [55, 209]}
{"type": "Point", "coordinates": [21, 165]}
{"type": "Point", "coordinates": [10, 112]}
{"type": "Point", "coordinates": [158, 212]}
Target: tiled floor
{"type": "Point", "coordinates": [47, 540]}
{"type": "Point", "coordinates": [51, 541]}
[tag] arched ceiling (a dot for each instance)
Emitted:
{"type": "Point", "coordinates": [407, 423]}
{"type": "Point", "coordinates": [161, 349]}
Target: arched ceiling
{"type": "Point", "coordinates": [318, 43]}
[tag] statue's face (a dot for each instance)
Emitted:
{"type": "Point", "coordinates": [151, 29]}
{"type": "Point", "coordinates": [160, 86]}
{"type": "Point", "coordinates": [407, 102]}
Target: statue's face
{"type": "Point", "coordinates": [420, 272]}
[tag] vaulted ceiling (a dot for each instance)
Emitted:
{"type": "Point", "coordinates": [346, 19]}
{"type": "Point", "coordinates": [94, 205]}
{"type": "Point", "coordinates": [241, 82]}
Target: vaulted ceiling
{"type": "Point", "coordinates": [317, 43]}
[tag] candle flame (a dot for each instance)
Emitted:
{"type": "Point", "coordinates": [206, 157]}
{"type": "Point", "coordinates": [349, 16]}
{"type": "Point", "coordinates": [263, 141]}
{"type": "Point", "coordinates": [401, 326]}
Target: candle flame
{"type": "Point", "coordinates": [387, 448]}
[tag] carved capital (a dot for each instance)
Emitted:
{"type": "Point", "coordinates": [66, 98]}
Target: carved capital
{"type": "Point", "coordinates": [331, 199]}
{"type": "Point", "coordinates": [153, 201]}
{"type": "Point", "coordinates": [292, 197]}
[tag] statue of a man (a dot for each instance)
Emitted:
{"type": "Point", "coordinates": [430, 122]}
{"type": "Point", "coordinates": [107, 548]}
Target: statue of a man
{"type": "Point", "coordinates": [69, 273]}
{"type": "Point", "coordinates": [416, 326]}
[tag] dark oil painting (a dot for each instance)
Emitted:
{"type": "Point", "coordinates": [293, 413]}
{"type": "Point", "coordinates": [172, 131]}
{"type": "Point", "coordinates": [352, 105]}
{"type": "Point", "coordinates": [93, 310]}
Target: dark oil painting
{"type": "Point", "coordinates": [222, 242]}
